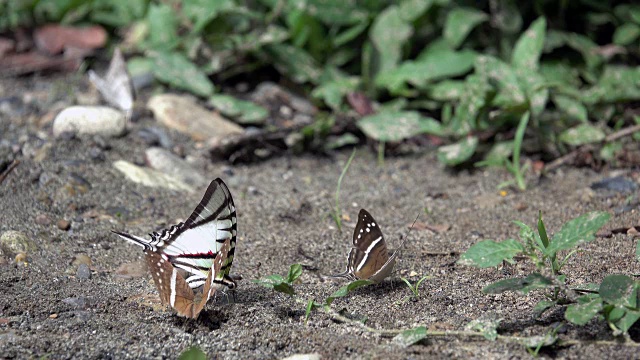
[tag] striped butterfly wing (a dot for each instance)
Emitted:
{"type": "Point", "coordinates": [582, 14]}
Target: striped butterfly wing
{"type": "Point", "coordinates": [369, 253]}
{"type": "Point", "coordinates": [193, 245]}
{"type": "Point", "coordinates": [175, 291]}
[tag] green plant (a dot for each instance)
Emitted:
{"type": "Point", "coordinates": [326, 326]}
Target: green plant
{"type": "Point", "coordinates": [281, 284]}
{"type": "Point", "coordinates": [336, 211]}
{"type": "Point", "coordinates": [615, 299]}
{"type": "Point", "coordinates": [414, 287]}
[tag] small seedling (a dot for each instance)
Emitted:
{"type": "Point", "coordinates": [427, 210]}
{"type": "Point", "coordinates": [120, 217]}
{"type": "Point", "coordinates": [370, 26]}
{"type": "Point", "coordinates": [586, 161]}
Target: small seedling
{"type": "Point", "coordinates": [281, 284]}
{"type": "Point", "coordinates": [414, 287]}
{"type": "Point", "coordinates": [336, 212]}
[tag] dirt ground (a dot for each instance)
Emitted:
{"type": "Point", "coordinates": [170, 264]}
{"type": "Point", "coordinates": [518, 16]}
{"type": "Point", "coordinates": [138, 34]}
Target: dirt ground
{"type": "Point", "coordinates": [48, 311]}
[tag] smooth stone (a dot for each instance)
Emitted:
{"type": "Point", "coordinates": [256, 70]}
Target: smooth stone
{"type": "Point", "coordinates": [83, 272]}
{"type": "Point", "coordinates": [170, 164]}
{"type": "Point", "coordinates": [91, 120]}
{"type": "Point", "coordinates": [183, 114]}
{"type": "Point", "coordinates": [150, 177]}
{"type": "Point", "coordinates": [14, 242]}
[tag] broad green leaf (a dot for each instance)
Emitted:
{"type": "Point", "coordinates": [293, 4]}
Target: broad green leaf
{"type": "Point", "coordinates": [333, 92]}
{"type": "Point", "coordinates": [430, 67]}
{"type": "Point", "coordinates": [294, 62]}
{"type": "Point", "coordinates": [498, 154]}
{"type": "Point", "coordinates": [526, 53]}
{"type": "Point", "coordinates": [459, 23]}
{"type": "Point", "coordinates": [619, 290]}
{"type": "Point", "coordinates": [582, 134]}
{"type": "Point", "coordinates": [488, 253]}
{"type": "Point", "coordinates": [616, 84]}
{"type": "Point", "coordinates": [176, 70]}
{"type": "Point", "coordinates": [294, 272]}
{"type": "Point", "coordinates": [163, 28]}
{"type": "Point", "coordinates": [630, 317]}
{"type": "Point", "coordinates": [193, 353]}
{"type": "Point", "coordinates": [626, 34]}
{"type": "Point", "coordinates": [487, 327]}
{"type": "Point", "coordinates": [388, 34]}
{"type": "Point", "coordinates": [579, 230]}
{"type": "Point", "coordinates": [571, 107]}
{"type": "Point", "coordinates": [396, 126]}
{"type": "Point", "coordinates": [542, 306]}
{"type": "Point", "coordinates": [510, 92]}
{"type": "Point", "coordinates": [343, 291]}
{"type": "Point", "coordinates": [243, 112]}
{"type": "Point", "coordinates": [532, 282]}
{"type": "Point", "coordinates": [447, 90]}
{"type": "Point", "coordinates": [587, 307]}
{"type": "Point", "coordinates": [459, 152]}
{"type": "Point", "coordinates": [411, 336]}
{"type": "Point", "coordinates": [201, 12]}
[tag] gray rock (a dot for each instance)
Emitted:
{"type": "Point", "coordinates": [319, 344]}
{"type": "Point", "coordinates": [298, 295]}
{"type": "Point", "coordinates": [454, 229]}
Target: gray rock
{"type": "Point", "coordinates": [83, 272]}
{"type": "Point", "coordinates": [93, 120]}
{"type": "Point", "coordinates": [150, 177]}
{"type": "Point", "coordinates": [14, 242]}
{"type": "Point", "coordinates": [165, 161]}
{"type": "Point", "coordinates": [183, 114]}
{"type": "Point", "coordinates": [270, 93]}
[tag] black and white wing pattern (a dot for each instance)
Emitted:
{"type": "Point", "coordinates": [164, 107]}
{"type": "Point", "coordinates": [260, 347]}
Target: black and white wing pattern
{"type": "Point", "coordinates": [192, 245]}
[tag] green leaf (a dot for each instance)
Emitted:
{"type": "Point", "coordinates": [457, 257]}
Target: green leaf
{"type": "Point", "coordinates": [176, 70]}
{"type": "Point", "coordinates": [571, 107]}
{"type": "Point", "coordinates": [411, 336]}
{"type": "Point", "coordinates": [619, 290]}
{"type": "Point", "coordinates": [294, 272]}
{"type": "Point", "coordinates": [459, 23]}
{"type": "Point", "coordinates": [432, 66]}
{"type": "Point", "coordinates": [488, 253]}
{"type": "Point", "coordinates": [244, 112]}
{"type": "Point", "coordinates": [576, 231]}
{"type": "Point", "coordinates": [294, 62]}
{"type": "Point", "coordinates": [390, 126]}
{"type": "Point", "coordinates": [163, 28]}
{"type": "Point", "coordinates": [532, 282]}
{"type": "Point", "coordinates": [542, 306]}
{"type": "Point", "coordinates": [487, 327]}
{"type": "Point", "coordinates": [527, 51]}
{"type": "Point", "coordinates": [459, 152]}
{"type": "Point", "coordinates": [587, 307]}
{"type": "Point", "coordinates": [447, 90]}
{"type": "Point", "coordinates": [333, 92]}
{"type": "Point", "coordinates": [343, 291]}
{"type": "Point", "coordinates": [626, 34]}
{"type": "Point", "coordinates": [193, 353]}
{"type": "Point", "coordinates": [201, 12]}
{"type": "Point", "coordinates": [582, 134]}
{"type": "Point", "coordinates": [388, 34]}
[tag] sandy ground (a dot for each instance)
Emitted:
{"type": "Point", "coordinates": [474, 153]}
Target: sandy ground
{"type": "Point", "coordinates": [47, 310]}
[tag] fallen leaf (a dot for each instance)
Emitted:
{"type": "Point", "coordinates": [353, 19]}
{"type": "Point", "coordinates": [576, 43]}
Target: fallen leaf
{"type": "Point", "coordinates": [53, 39]}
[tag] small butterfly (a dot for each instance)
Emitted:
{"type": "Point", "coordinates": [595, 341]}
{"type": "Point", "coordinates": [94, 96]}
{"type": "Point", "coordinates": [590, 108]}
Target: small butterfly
{"type": "Point", "coordinates": [369, 257]}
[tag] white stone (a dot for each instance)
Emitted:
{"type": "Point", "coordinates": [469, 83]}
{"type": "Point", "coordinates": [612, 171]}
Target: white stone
{"type": "Point", "coordinates": [183, 114]}
{"type": "Point", "coordinates": [150, 177]}
{"type": "Point", "coordinates": [91, 120]}
{"type": "Point", "coordinates": [165, 161]}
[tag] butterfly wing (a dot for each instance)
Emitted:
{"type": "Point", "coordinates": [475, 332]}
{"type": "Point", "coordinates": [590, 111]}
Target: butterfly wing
{"type": "Point", "coordinates": [193, 245]}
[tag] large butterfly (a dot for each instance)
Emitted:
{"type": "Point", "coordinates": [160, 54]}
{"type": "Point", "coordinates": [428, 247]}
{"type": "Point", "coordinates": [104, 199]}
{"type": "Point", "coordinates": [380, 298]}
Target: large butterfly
{"type": "Point", "coordinates": [195, 244]}
{"type": "Point", "coordinates": [369, 257]}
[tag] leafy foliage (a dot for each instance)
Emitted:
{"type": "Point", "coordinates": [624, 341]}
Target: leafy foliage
{"type": "Point", "coordinates": [459, 70]}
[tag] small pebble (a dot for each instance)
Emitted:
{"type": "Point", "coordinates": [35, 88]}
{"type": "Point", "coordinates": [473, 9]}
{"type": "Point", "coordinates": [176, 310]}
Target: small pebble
{"type": "Point", "coordinates": [64, 224]}
{"type": "Point", "coordinates": [81, 259]}
{"type": "Point", "coordinates": [42, 219]}
{"type": "Point", "coordinates": [83, 272]}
